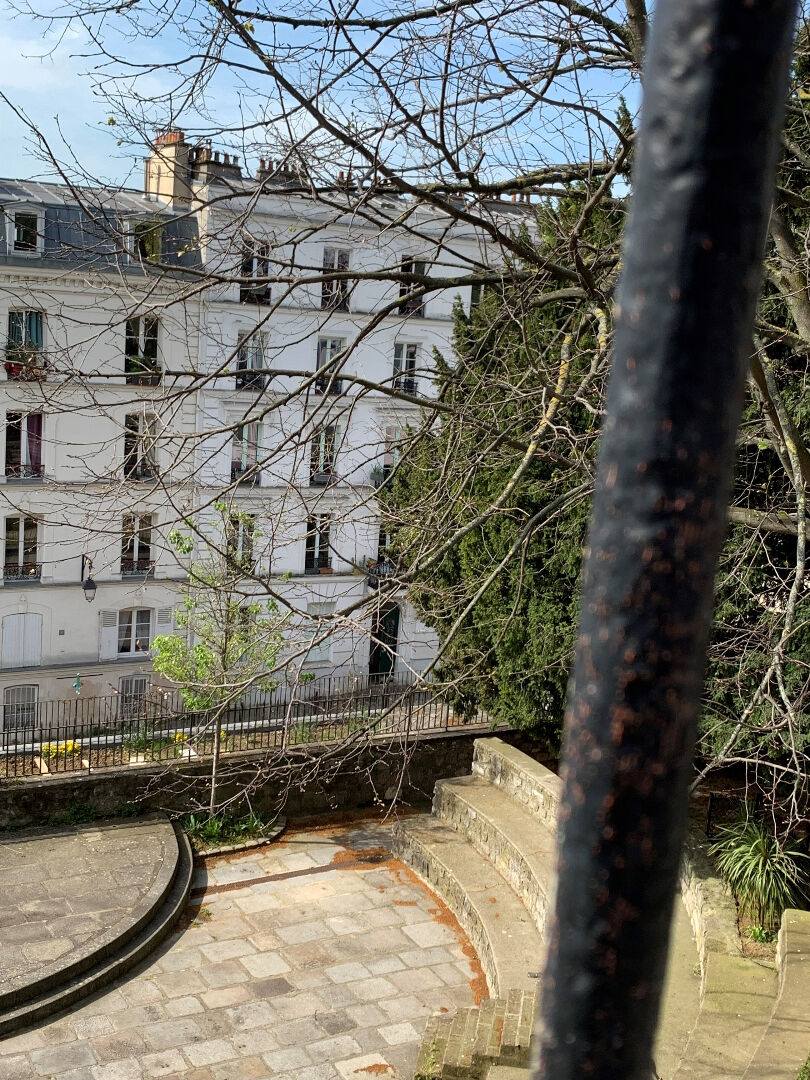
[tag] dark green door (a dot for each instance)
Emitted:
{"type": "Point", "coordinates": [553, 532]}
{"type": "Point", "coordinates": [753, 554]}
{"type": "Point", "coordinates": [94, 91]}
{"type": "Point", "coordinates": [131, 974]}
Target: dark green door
{"type": "Point", "coordinates": [384, 638]}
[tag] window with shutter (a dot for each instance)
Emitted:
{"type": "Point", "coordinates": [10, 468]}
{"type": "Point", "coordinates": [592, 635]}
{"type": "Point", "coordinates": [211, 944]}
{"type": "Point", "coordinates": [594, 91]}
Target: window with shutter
{"type": "Point", "coordinates": [108, 635]}
{"type": "Point", "coordinates": [321, 651]}
{"type": "Point", "coordinates": [19, 707]}
{"type": "Point", "coordinates": [405, 355]}
{"type": "Point", "coordinates": [22, 640]}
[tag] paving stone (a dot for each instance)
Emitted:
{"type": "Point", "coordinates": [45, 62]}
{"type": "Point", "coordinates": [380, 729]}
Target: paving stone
{"type": "Point", "coordinates": [366, 1065]}
{"type": "Point", "coordinates": [259, 1041]}
{"type": "Point", "coordinates": [429, 933]}
{"type": "Point", "coordinates": [89, 1027]}
{"type": "Point", "coordinates": [331, 1049]}
{"type": "Point", "coordinates": [171, 1033]}
{"type": "Point", "coordinates": [226, 950]}
{"type": "Point", "coordinates": [264, 964]}
{"type": "Point", "coordinates": [415, 979]}
{"type": "Point", "coordinates": [118, 1070]}
{"type": "Point", "coordinates": [58, 1059]}
{"type": "Point", "coordinates": [293, 1057]}
{"type": "Point", "coordinates": [17, 1067]}
{"type": "Point", "coordinates": [366, 1015]}
{"type": "Point", "coordinates": [374, 989]}
{"type": "Point", "coordinates": [253, 1014]}
{"type": "Point", "coordinates": [163, 1063]}
{"type": "Point", "coordinates": [335, 1023]}
{"type": "Point", "coordinates": [122, 1044]}
{"type": "Point", "coordinates": [210, 1052]}
{"type": "Point", "coordinates": [269, 988]}
{"type": "Point", "coordinates": [394, 1034]}
{"type": "Point", "coordinates": [226, 973]}
{"type": "Point", "coordinates": [184, 1006]}
{"type": "Point", "coordinates": [251, 1068]}
{"type": "Point", "coordinates": [298, 1032]}
{"type": "Point", "coordinates": [347, 972]}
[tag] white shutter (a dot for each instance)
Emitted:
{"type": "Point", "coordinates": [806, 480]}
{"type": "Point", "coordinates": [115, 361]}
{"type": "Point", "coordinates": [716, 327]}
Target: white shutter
{"type": "Point", "coordinates": [164, 622]}
{"type": "Point", "coordinates": [108, 635]}
{"type": "Point", "coordinates": [32, 639]}
{"type": "Point", "coordinates": [22, 641]}
{"type": "Point", "coordinates": [12, 641]}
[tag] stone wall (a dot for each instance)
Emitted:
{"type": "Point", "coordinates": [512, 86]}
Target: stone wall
{"type": "Point", "coordinates": [323, 782]}
{"type": "Point", "coordinates": [710, 906]}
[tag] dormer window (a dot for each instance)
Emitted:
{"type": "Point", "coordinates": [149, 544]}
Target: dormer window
{"type": "Point", "coordinates": [25, 231]}
{"type": "Point", "coordinates": [144, 240]}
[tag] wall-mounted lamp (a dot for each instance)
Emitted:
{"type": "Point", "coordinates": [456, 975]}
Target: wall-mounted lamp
{"type": "Point", "coordinates": [88, 585]}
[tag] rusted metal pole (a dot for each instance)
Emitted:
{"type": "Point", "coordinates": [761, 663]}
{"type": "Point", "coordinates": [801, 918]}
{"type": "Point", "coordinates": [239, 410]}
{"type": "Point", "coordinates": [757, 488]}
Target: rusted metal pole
{"type": "Point", "coordinates": [715, 82]}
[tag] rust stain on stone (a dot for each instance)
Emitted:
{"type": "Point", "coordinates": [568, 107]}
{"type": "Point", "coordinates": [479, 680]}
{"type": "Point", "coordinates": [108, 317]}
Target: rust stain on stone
{"type": "Point", "coordinates": [378, 1069]}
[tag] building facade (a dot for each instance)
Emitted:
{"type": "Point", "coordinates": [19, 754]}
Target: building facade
{"type": "Point", "coordinates": [215, 344]}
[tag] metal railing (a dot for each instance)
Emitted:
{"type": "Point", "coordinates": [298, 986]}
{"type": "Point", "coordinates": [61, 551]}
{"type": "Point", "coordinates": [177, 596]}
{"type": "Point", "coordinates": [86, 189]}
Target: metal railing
{"type": "Point", "coordinates": [83, 735]}
{"type": "Point", "coordinates": [23, 471]}
{"type": "Point", "coordinates": [21, 572]}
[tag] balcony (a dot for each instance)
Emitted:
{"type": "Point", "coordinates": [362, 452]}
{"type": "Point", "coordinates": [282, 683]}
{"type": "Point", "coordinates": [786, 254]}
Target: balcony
{"type": "Point", "coordinates": [139, 372]}
{"type": "Point", "coordinates": [254, 294]}
{"type": "Point", "coordinates": [415, 306]}
{"type": "Point", "coordinates": [25, 364]}
{"type": "Point", "coordinates": [318, 566]}
{"type": "Point", "coordinates": [247, 475]}
{"type": "Point", "coordinates": [322, 479]}
{"type": "Point", "coordinates": [144, 568]}
{"type": "Point", "coordinates": [22, 573]}
{"type": "Point", "coordinates": [335, 296]}
{"type": "Point", "coordinates": [20, 471]}
{"type": "Point", "coordinates": [405, 383]}
{"type": "Point", "coordinates": [142, 470]}
{"type": "Point", "coordinates": [250, 380]}
{"type": "Point", "coordinates": [379, 571]}
{"type": "Point", "coordinates": [324, 385]}
{"type": "Point", "coordinates": [379, 475]}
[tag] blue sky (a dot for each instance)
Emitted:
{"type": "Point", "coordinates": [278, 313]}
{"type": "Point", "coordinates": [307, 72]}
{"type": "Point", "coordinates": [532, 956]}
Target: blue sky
{"type": "Point", "coordinates": [51, 77]}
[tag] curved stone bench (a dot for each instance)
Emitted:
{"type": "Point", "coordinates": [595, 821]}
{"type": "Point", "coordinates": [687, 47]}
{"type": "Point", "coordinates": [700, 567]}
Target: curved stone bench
{"type": "Point", "coordinates": [501, 830]}
{"type": "Point", "coordinates": [492, 915]}
{"type": "Point", "coordinates": [156, 862]}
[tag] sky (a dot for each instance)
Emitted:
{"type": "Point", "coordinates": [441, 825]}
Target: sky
{"type": "Point", "coordinates": [44, 77]}
{"type": "Point", "coordinates": [49, 74]}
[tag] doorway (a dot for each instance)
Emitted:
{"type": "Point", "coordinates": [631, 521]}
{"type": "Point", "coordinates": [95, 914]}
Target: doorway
{"type": "Point", "coordinates": [384, 638]}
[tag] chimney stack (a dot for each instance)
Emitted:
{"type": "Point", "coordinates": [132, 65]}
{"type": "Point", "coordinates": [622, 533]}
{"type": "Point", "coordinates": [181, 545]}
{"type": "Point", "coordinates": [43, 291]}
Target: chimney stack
{"type": "Point", "coordinates": [166, 169]}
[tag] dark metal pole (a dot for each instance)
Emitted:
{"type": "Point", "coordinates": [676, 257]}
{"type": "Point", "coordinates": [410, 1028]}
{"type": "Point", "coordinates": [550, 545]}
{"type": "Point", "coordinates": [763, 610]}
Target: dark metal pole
{"type": "Point", "coordinates": [715, 82]}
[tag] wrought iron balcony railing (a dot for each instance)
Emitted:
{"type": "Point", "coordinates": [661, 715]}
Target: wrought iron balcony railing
{"type": "Point", "coordinates": [24, 471]}
{"type": "Point", "coordinates": [247, 475]}
{"type": "Point", "coordinates": [137, 568]}
{"type": "Point", "coordinates": [25, 364]}
{"type": "Point", "coordinates": [20, 573]}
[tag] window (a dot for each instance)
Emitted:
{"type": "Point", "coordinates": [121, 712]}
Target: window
{"type": "Point", "coordinates": [321, 651]}
{"type": "Point", "coordinates": [250, 361]}
{"type": "Point", "coordinates": [136, 545]}
{"type": "Point", "coordinates": [383, 541]}
{"type": "Point", "coordinates": [391, 455]}
{"type": "Point", "coordinates": [25, 340]}
{"type": "Point", "coordinates": [405, 354]}
{"type": "Point", "coordinates": [255, 267]}
{"type": "Point", "coordinates": [328, 350]}
{"type": "Point", "coordinates": [335, 292]}
{"type": "Point", "coordinates": [141, 351]}
{"type": "Point", "coordinates": [318, 556]}
{"type": "Point", "coordinates": [322, 456]}
{"type": "Point", "coordinates": [244, 454]}
{"type": "Point", "coordinates": [145, 240]}
{"type": "Point", "coordinates": [134, 631]}
{"type": "Point", "coordinates": [130, 632]}
{"type": "Point", "coordinates": [476, 294]}
{"type": "Point", "coordinates": [27, 232]}
{"type": "Point", "coordinates": [413, 305]}
{"type": "Point", "coordinates": [23, 445]}
{"type": "Point", "coordinates": [19, 707]}
{"type": "Point", "coordinates": [21, 549]}
{"type": "Point", "coordinates": [239, 537]}
{"type": "Point", "coordinates": [22, 640]}
{"type": "Point", "coordinates": [140, 438]}
{"type": "Point", "coordinates": [132, 691]}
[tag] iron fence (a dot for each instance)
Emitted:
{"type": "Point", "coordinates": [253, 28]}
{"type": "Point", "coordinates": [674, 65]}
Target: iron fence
{"type": "Point", "coordinates": [83, 735]}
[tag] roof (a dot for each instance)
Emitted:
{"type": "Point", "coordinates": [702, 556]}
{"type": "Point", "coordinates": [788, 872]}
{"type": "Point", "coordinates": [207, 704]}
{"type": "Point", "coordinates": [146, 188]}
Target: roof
{"type": "Point", "coordinates": [128, 200]}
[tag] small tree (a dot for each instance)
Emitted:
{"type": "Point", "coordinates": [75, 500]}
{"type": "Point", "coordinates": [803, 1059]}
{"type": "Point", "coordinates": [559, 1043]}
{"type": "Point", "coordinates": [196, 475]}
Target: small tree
{"type": "Point", "coordinates": [229, 639]}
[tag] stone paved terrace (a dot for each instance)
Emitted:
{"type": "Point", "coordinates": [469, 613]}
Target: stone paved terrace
{"type": "Point", "coordinates": [67, 891]}
{"type": "Point", "coordinates": [317, 958]}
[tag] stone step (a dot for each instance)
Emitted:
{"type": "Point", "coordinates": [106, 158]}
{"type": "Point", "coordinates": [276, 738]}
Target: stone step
{"type": "Point", "coordinates": [520, 777]}
{"type": "Point", "coordinates": [115, 958]}
{"type": "Point", "coordinates": [521, 848]}
{"type": "Point", "coordinates": [497, 1031]}
{"type": "Point", "coordinates": [733, 1017]}
{"type": "Point", "coordinates": [496, 921]}
{"type": "Point", "coordinates": [508, 1072]}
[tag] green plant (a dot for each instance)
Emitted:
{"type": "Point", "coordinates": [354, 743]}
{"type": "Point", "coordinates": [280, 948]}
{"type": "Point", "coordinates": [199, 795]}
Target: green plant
{"type": "Point", "coordinates": [805, 1073]}
{"type": "Point", "coordinates": [763, 873]}
{"type": "Point", "coordinates": [209, 830]}
{"type": "Point", "coordinates": [761, 935]}
{"type": "Point", "coordinates": [59, 749]}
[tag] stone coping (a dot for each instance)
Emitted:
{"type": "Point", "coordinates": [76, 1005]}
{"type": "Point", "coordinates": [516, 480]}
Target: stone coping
{"type": "Point", "coordinates": [521, 777]}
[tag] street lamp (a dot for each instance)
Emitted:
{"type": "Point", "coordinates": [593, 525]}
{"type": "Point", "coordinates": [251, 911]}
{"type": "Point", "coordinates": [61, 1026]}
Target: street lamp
{"type": "Point", "coordinates": [88, 585]}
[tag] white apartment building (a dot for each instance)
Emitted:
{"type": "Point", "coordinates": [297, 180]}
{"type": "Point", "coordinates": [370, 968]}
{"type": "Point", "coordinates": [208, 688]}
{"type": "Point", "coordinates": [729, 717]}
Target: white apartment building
{"type": "Point", "coordinates": [135, 397]}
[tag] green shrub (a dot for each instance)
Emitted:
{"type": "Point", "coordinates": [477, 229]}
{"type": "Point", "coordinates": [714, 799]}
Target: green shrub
{"type": "Point", "coordinates": [764, 874]}
{"type": "Point", "coordinates": [223, 828]}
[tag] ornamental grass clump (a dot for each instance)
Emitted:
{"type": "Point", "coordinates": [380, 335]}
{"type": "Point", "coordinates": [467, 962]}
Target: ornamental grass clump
{"type": "Point", "coordinates": [763, 872]}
